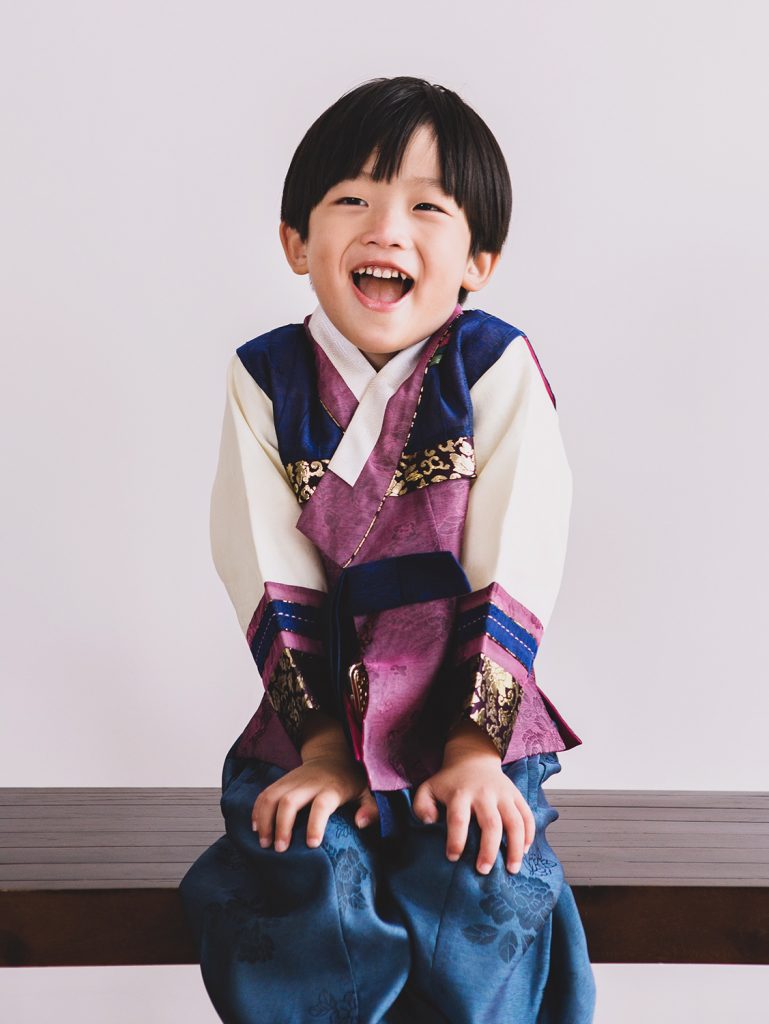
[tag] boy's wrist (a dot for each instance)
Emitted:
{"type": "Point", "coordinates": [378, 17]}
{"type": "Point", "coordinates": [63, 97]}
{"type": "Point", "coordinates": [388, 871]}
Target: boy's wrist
{"type": "Point", "coordinates": [322, 734]}
{"type": "Point", "coordinates": [466, 740]}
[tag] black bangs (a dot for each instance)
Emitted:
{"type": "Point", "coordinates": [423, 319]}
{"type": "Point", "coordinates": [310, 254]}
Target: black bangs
{"type": "Point", "coordinates": [381, 115]}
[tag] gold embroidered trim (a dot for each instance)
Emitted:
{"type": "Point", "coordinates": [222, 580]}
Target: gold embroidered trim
{"type": "Point", "coordinates": [304, 476]}
{"type": "Point", "coordinates": [448, 460]}
{"type": "Point", "coordinates": [330, 413]}
{"type": "Point", "coordinates": [493, 701]}
{"type": "Point", "coordinates": [453, 459]}
{"type": "Point", "coordinates": [289, 694]}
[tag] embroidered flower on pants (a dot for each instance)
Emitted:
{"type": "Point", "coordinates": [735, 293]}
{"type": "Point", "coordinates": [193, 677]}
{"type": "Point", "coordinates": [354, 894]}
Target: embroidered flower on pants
{"type": "Point", "coordinates": [336, 1011]}
{"type": "Point", "coordinates": [527, 898]}
{"type": "Point", "coordinates": [252, 943]}
{"type": "Point", "coordinates": [350, 872]}
{"type": "Point", "coordinates": [228, 855]}
{"type": "Point", "coordinates": [523, 901]}
{"type": "Point", "coordinates": [541, 865]}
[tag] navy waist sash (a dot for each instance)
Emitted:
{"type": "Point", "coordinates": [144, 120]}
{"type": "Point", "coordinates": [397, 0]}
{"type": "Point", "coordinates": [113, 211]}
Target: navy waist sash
{"type": "Point", "coordinates": [373, 587]}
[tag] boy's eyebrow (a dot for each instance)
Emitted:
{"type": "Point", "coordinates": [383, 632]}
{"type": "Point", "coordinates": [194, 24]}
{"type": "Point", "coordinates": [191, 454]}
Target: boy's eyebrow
{"type": "Point", "coordinates": [434, 182]}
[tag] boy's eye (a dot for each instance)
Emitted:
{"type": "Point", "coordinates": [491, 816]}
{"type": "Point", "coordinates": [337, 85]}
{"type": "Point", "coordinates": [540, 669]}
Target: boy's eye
{"type": "Point", "coordinates": [354, 199]}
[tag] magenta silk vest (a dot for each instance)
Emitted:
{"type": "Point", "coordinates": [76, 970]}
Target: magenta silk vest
{"type": "Point", "coordinates": [419, 667]}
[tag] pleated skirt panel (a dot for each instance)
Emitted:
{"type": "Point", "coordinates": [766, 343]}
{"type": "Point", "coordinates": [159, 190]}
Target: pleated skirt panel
{"type": "Point", "coordinates": [365, 930]}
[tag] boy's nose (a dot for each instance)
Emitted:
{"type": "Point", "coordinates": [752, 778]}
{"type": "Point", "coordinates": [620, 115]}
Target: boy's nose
{"type": "Point", "coordinates": [386, 229]}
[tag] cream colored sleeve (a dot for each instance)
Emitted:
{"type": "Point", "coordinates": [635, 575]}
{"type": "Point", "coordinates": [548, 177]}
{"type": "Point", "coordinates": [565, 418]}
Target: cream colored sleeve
{"type": "Point", "coordinates": [519, 506]}
{"type": "Point", "coordinates": [253, 507]}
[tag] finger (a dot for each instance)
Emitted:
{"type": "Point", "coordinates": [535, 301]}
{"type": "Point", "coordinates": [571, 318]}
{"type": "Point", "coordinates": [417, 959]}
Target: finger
{"type": "Point", "coordinates": [323, 806]}
{"type": "Point", "coordinates": [285, 817]}
{"type": "Point", "coordinates": [457, 823]}
{"type": "Point", "coordinates": [263, 813]}
{"type": "Point", "coordinates": [512, 820]}
{"type": "Point", "coordinates": [490, 824]}
{"type": "Point", "coordinates": [425, 805]}
{"type": "Point", "coordinates": [368, 811]}
{"type": "Point", "coordinates": [529, 822]}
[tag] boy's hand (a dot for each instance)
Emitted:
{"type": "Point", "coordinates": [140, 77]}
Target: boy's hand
{"type": "Point", "coordinates": [327, 778]}
{"type": "Point", "coordinates": [471, 781]}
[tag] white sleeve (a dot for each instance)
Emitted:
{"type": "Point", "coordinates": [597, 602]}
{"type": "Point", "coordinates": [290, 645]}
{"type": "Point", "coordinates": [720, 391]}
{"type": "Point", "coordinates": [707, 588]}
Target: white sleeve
{"type": "Point", "coordinates": [254, 509]}
{"type": "Point", "coordinates": [517, 525]}
{"type": "Point", "coordinates": [514, 544]}
{"type": "Point", "coordinates": [271, 571]}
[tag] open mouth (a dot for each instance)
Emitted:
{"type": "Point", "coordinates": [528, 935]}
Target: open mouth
{"type": "Point", "coordinates": [381, 292]}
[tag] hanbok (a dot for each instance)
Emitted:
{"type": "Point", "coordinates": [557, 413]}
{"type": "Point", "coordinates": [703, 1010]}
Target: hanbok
{"type": "Point", "coordinates": [393, 543]}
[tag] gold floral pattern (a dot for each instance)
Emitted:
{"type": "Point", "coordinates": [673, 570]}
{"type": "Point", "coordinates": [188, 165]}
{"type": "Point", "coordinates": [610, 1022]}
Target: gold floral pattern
{"type": "Point", "coordinates": [493, 699]}
{"type": "Point", "coordinates": [449, 460]}
{"type": "Point", "coordinates": [304, 476]}
{"type": "Point", "coordinates": [453, 459]}
{"type": "Point", "coordinates": [289, 693]}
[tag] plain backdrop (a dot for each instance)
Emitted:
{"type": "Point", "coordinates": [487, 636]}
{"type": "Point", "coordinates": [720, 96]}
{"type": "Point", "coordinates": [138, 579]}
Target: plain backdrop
{"type": "Point", "coordinates": [144, 151]}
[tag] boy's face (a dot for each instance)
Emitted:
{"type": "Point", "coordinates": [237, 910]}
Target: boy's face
{"type": "Point", "coordinates": [407, 223]}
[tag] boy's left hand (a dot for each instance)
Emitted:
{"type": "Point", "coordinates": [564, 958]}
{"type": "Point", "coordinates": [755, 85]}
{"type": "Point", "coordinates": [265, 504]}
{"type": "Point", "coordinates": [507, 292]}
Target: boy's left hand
{"type": "Point", "coordinates": [474, 783]}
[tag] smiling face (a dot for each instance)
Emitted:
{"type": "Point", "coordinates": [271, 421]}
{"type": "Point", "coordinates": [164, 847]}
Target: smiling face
{"type": "Point", "coordinates": [408, 223]}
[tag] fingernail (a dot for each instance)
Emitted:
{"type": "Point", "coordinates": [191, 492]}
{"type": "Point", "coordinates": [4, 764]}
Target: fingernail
{"type": "Point", "coordinates": [253, 826]}
{"type": "Point", "coordinates": [264, 841]}
{"type": "Point", "coordinates": [280, 845]}
{"type": "Point", "coordinates": [516, 867]}
{"type": "Point", "coordinates": [362, 822]}
{"type": "Point", "coordinates": [428, 819]}
{"type": "Point", "coordinates": [484, 868]}
{"type": "Point", "coordinates": [313, 841]}
{"type": "Point", "coordinates": [453, 856]}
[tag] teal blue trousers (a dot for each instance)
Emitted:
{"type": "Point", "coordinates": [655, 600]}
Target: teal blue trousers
{"type": "Point", "coordinates": [366, 930]}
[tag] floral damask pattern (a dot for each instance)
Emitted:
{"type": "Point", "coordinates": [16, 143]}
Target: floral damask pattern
{"type": "Point", "coordinates": [350, 873]}
{"type": "Point", "coordinates": [289, 693]}
{"type": "Point", "coordinates": [541, 864]}
{"type": "Point", "coordinates": [449, 460]}
{"type": "Point", "coordinates": [519, 906]}
{"type": "Point", "coordinates": [241, 916]}
{"type": "Point", "coordinates": [304, 476]}
{"type": "Point", "coordinates": [493, 698]}
{"type": "Point", "coordinates": [336, 1011]}
{"type": "Point", "coordinates": [529, 899]}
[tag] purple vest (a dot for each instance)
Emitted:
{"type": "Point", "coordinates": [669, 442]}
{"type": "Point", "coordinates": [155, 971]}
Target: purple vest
{"type": "Point", "coordinates": [411, 497]}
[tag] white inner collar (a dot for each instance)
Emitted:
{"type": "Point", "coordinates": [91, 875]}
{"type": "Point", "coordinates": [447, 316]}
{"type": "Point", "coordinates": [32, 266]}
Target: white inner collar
{"type": "Point", "coordinates": [356, 370]}
{"type": "Point", "coordinates": [348, 359]}
{"type": "Point", "coordinates": [373, 389]}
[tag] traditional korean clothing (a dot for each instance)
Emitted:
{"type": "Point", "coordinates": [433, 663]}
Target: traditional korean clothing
{"type": "Point", "coordinates": [393, 542]}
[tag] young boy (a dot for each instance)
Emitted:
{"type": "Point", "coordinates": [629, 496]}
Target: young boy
{"type": "Point", "coordinates": [390, 516]}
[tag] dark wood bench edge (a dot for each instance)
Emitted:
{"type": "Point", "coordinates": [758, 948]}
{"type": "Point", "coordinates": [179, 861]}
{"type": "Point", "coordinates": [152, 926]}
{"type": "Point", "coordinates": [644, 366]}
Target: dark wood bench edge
{"type": "Point", "coordinates": [623, 924]}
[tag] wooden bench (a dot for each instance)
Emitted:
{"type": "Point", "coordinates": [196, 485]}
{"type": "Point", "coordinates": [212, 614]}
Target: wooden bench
{"type": "Point", "coordinates": [89, 876]}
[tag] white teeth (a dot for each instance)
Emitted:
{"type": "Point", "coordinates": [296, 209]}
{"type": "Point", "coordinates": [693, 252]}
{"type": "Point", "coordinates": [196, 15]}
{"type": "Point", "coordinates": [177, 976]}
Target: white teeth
{"type": "Point", "coordinates": [381, 272]}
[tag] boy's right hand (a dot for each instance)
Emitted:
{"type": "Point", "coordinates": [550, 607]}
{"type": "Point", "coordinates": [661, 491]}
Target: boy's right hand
{"type": "Point", "coordinates": [327, 778]}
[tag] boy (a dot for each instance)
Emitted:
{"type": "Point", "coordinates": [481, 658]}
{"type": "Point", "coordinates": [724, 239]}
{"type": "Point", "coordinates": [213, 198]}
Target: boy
{"type": "Point", "coordinates": [390, 516]}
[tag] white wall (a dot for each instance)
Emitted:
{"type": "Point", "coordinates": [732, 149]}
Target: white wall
{"type": "Point", "coordinates": [144, 151]}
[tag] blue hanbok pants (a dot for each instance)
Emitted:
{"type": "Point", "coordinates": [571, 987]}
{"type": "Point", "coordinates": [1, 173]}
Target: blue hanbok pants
{"type": "Point", "coordinates": [366, 930]}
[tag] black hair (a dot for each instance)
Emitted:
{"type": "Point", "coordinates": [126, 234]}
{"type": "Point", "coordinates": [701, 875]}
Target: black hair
{"type": "Point", "coordinates": [382, 114]}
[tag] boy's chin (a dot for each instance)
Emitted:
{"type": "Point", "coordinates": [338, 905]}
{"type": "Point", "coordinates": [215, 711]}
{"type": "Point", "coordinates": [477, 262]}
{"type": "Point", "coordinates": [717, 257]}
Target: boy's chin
{"type": "Point", "coordinates": [377, 341]}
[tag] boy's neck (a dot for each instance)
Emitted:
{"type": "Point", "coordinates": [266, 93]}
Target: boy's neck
{"type": "Point", "coordinates": [378, 359]}
{"type": "Point", "coordinates": [375, 359]}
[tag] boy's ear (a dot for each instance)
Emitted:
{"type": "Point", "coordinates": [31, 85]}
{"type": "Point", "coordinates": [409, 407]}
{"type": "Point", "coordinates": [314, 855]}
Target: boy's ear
{"type": "Point", "coordinates": [479, 270]}
{"type": "Point", "coordinates": [294, 248]}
